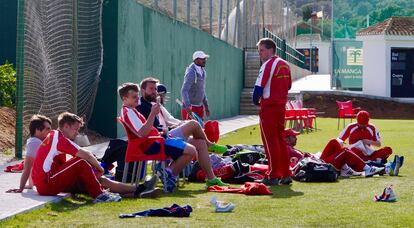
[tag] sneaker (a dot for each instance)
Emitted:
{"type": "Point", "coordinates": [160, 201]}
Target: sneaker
{"type": "Point", "coordinates": [218, 149]}
{"type": "Point", "coordinates": [269, 182]}
{"type": "Point", "coordinates": [387, 195]}
{"type": "Point", "coordinates": [150, 183]}
{"type": "Point", "coordinates": [349, 172]}
{"type": "Point", "coordinates": [166, 176]}
{"type": "Point", "coordinates": [221, 206]}
{"type": "Point", "coordinates": [373, 170]}
{"type": "Point", "coordinates": [285, 181]}
{"type": "Point", "coordinates": [152, 193]}
{"type": "Point", "coordinates": [397, 165]}
{"type": "Point", "coordinates": [215, 181]}
{"type": "Point", "coordinates": [107, 197]}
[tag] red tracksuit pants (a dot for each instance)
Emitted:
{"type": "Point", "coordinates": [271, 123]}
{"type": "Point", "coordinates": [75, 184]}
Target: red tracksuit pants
{"type": "Point", "coordinates": [338, 156]}
{"type": "Point", "coordinates": [272, 125]}
{"type": "Point", "coordinates": [76, 175]}
{"type": "Point", "coordinates": [382, 154]}
{"type": "Point", "coordinates": [199, 110]}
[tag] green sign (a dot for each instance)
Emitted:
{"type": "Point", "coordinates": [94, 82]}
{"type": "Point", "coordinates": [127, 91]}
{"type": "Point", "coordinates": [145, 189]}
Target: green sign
{"type": "Point", "coordinates": [347, 64]}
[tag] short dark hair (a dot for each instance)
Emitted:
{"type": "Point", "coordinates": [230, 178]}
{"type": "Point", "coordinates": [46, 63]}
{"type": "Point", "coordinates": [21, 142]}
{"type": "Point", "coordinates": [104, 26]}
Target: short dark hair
{"type": "Point", "coordinates": [37, 123]}
{"type": "Point", "coordinates": [124, 89]}
{"type": "Point", "coordinates": [68, 118]}
{"type": "Point", "coordinates": [144, 82]}
{"type": "Point", "coordinates": [268, 43]}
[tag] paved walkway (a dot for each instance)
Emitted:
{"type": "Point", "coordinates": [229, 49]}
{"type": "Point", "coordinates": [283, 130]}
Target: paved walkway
{"type": "Point", "coordinates": [12, 204]}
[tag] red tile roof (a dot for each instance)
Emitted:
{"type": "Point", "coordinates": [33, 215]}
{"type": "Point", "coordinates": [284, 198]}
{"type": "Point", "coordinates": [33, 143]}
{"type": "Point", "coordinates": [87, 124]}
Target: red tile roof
{"type": "Point", "coordinates": [399, 26]}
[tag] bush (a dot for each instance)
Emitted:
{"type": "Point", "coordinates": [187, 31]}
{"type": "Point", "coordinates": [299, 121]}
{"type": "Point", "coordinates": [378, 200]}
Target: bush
{"type": "Point", "coordinates": [7, 85]}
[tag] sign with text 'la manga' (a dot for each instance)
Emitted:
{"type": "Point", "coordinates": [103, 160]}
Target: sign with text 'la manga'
{"type": "Point", "coordinates": [347, 64]}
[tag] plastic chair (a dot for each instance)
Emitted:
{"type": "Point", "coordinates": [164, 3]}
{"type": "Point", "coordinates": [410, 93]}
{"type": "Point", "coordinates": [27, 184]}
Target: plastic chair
{"type": "Point", "coordinates": [346, 111]}
{"type": "Point", "coordinates": [135, 154]}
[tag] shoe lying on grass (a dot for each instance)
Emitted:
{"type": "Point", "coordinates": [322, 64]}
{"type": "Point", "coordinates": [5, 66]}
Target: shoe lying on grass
{"type": "Point", "coordinates": [387, 195]}
{"type": "Point", "coordinates": [349, 172]}
{"type": "Point", "coordinates": [222, 206]}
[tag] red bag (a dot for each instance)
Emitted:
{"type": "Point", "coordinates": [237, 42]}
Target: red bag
{"type": "Point", "coordinates": [211, 128]}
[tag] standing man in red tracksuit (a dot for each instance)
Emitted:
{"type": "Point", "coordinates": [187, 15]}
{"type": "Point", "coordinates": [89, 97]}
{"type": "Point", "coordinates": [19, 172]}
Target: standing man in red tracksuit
{"type": "Point", "coordinates": [270, 92]}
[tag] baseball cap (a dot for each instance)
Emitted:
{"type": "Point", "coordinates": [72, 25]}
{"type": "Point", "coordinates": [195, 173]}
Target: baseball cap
{"type": "Point", "coordinates": [200, 55]}
{"type": "Point", "coordinates": [162, 89]}
{"type": "Point", "coordinates": [363, 117]}
{"type": "Point", "coordinates": [290, 132]}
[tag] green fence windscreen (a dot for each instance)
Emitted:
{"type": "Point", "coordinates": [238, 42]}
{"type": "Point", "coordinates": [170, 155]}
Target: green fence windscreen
{"type": "Point", "coordinates": [151, 44]}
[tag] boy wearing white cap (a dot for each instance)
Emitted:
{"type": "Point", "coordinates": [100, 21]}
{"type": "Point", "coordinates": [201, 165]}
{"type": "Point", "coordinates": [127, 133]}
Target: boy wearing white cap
{"type": "Point", "coordinates": [193, 89]}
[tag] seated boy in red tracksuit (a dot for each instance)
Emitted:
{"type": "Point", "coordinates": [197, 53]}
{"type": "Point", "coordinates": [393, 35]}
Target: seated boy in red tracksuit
{"type": "Point", "coordinates": [82, 173]}
{"type": "Point", "coordinates": [345, 160]}
{"type": "Point", "coordinates": [361, 136]}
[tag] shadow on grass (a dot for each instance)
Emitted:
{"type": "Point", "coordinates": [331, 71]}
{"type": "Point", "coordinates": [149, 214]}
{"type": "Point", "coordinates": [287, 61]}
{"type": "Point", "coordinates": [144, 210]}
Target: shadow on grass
{"type": "Point", "coordinates": [284, 191]}
{"type": "Point", "coordinates": [180, 192]}
{"type": "Point", "coordinates": [71, 203]}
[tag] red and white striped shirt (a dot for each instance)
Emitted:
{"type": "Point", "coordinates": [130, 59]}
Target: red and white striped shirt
{"type": "Point", "coordinates": [51, 155]}
{"type": "Point", "coordinates": [135, 120]}
{"type": "Point", "coordinates": [355, 133]}
{"type": "Point", "coordinates": [275, 79]}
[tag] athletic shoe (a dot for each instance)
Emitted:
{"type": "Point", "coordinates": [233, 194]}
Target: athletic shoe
{"type": "Point", "coordinates": [349, 172]}
{"type": "Point", "coordinates": [152, 193]}
{"type": "Point", "coordinates": [168, 177]}
{"type": "Point", "coordinates": [215, 181]}
{"type": "Point", "coordinates": [285, 181]}
{"type": "Point", "coordinates": [387, 195]}
{"type": "Point", "coordinates": [373, 170]}
{"type": "Point", "coordinates": [150, 183]}
{"type": "Point", "coordinates": [221, 206]}
{"type": "Point", "coordinates": [393, 166]}
{"type": "Point", "coordinates": [397, 165]}
{"type": "Point", "coordinates": [107, 197]}
{"type": "Point", "coordinates": [269, 182]}
{"type": "Point", "coordinates": [218, 149]}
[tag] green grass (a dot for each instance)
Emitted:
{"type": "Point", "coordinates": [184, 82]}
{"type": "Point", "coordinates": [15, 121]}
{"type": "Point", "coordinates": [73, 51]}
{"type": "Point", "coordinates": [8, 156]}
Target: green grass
{"type": "Point", "coordinates": [347, 202]}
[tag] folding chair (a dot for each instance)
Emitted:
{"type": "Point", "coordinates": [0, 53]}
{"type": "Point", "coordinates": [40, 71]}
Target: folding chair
{"type": "Point", "coordinates": [135, 154]}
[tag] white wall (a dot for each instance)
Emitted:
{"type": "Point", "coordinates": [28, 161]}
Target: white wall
{"type": "Point", "coordinates": [376, 79]}
{"type": "Point", "coordinates": [324, 55]}
{"type": "Point", "coordinates": [374, 75]}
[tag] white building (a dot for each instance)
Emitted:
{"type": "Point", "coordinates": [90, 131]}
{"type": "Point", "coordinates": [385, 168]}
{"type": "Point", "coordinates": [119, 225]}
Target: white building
{"type": "Point", "coordinates": [388, 49]}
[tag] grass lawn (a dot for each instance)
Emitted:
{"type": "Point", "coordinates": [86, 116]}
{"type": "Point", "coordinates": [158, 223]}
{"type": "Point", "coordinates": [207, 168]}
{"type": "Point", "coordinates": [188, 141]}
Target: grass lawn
{"type": "Point", "coordinates": [347, 202]}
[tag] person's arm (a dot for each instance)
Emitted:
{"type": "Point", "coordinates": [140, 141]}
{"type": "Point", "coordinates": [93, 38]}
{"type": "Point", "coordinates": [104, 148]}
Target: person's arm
{"type": "Point", "coordinates": [90, 158]}
{"type": "Point", "coordinates": [258, 87]}
{"type": "Point", "coordinates": [189, 79]}
{"type": "Point", "coordinates": [28, 163]}
{"type": "Point", "coordinates": [345, 133]}
{"type": "Point", "coordinates": [147, 126]}
{"type": "Point", "coordinates": [169, 119]}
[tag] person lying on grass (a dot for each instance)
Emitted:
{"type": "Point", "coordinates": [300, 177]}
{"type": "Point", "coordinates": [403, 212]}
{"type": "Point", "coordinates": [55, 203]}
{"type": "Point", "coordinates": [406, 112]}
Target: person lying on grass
{"type": "Point", "coordinates": [180, 151]}
{"type": "Point", "coordinates": [39, 128]}
{"type": "Point", "coordinates": [53, 174]}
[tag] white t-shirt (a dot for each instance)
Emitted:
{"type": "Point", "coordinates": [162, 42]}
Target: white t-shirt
{"type": "Point", "coordinates": [32, 145]}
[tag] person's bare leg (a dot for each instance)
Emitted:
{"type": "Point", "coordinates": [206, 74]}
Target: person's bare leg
{"type": "Point", "coordinates": [178, 165]}
{"type": "Point", "coordinates": [193, 128]}
{"type": "Point", "coordinates": [125, 190]}
{"type": "Point", "coordinates": [203, 156]}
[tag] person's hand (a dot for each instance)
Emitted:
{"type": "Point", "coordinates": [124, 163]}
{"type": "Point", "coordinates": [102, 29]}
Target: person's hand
{"type": "Point", "coordinates": [207, 113]}
{"type": "Point", "coordinates": [99, 171]}
{"type": "Point", "coordinates": [189, 111]}
{"type": "Point", "coordinates": [366, 141]}
{"type": "Point", "coordinates": [14, 190]}
{"type": "Point", "coordinates": [155, 109]}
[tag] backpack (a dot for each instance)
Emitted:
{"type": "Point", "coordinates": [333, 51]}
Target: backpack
{"type": "Point", "coordinates": [310, 169]}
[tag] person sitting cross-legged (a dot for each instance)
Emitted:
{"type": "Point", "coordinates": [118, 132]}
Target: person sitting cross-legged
{"type": "Point", "coordinates": [180, 151]}
{"type": "Point", "coordinates": [53, 174]}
